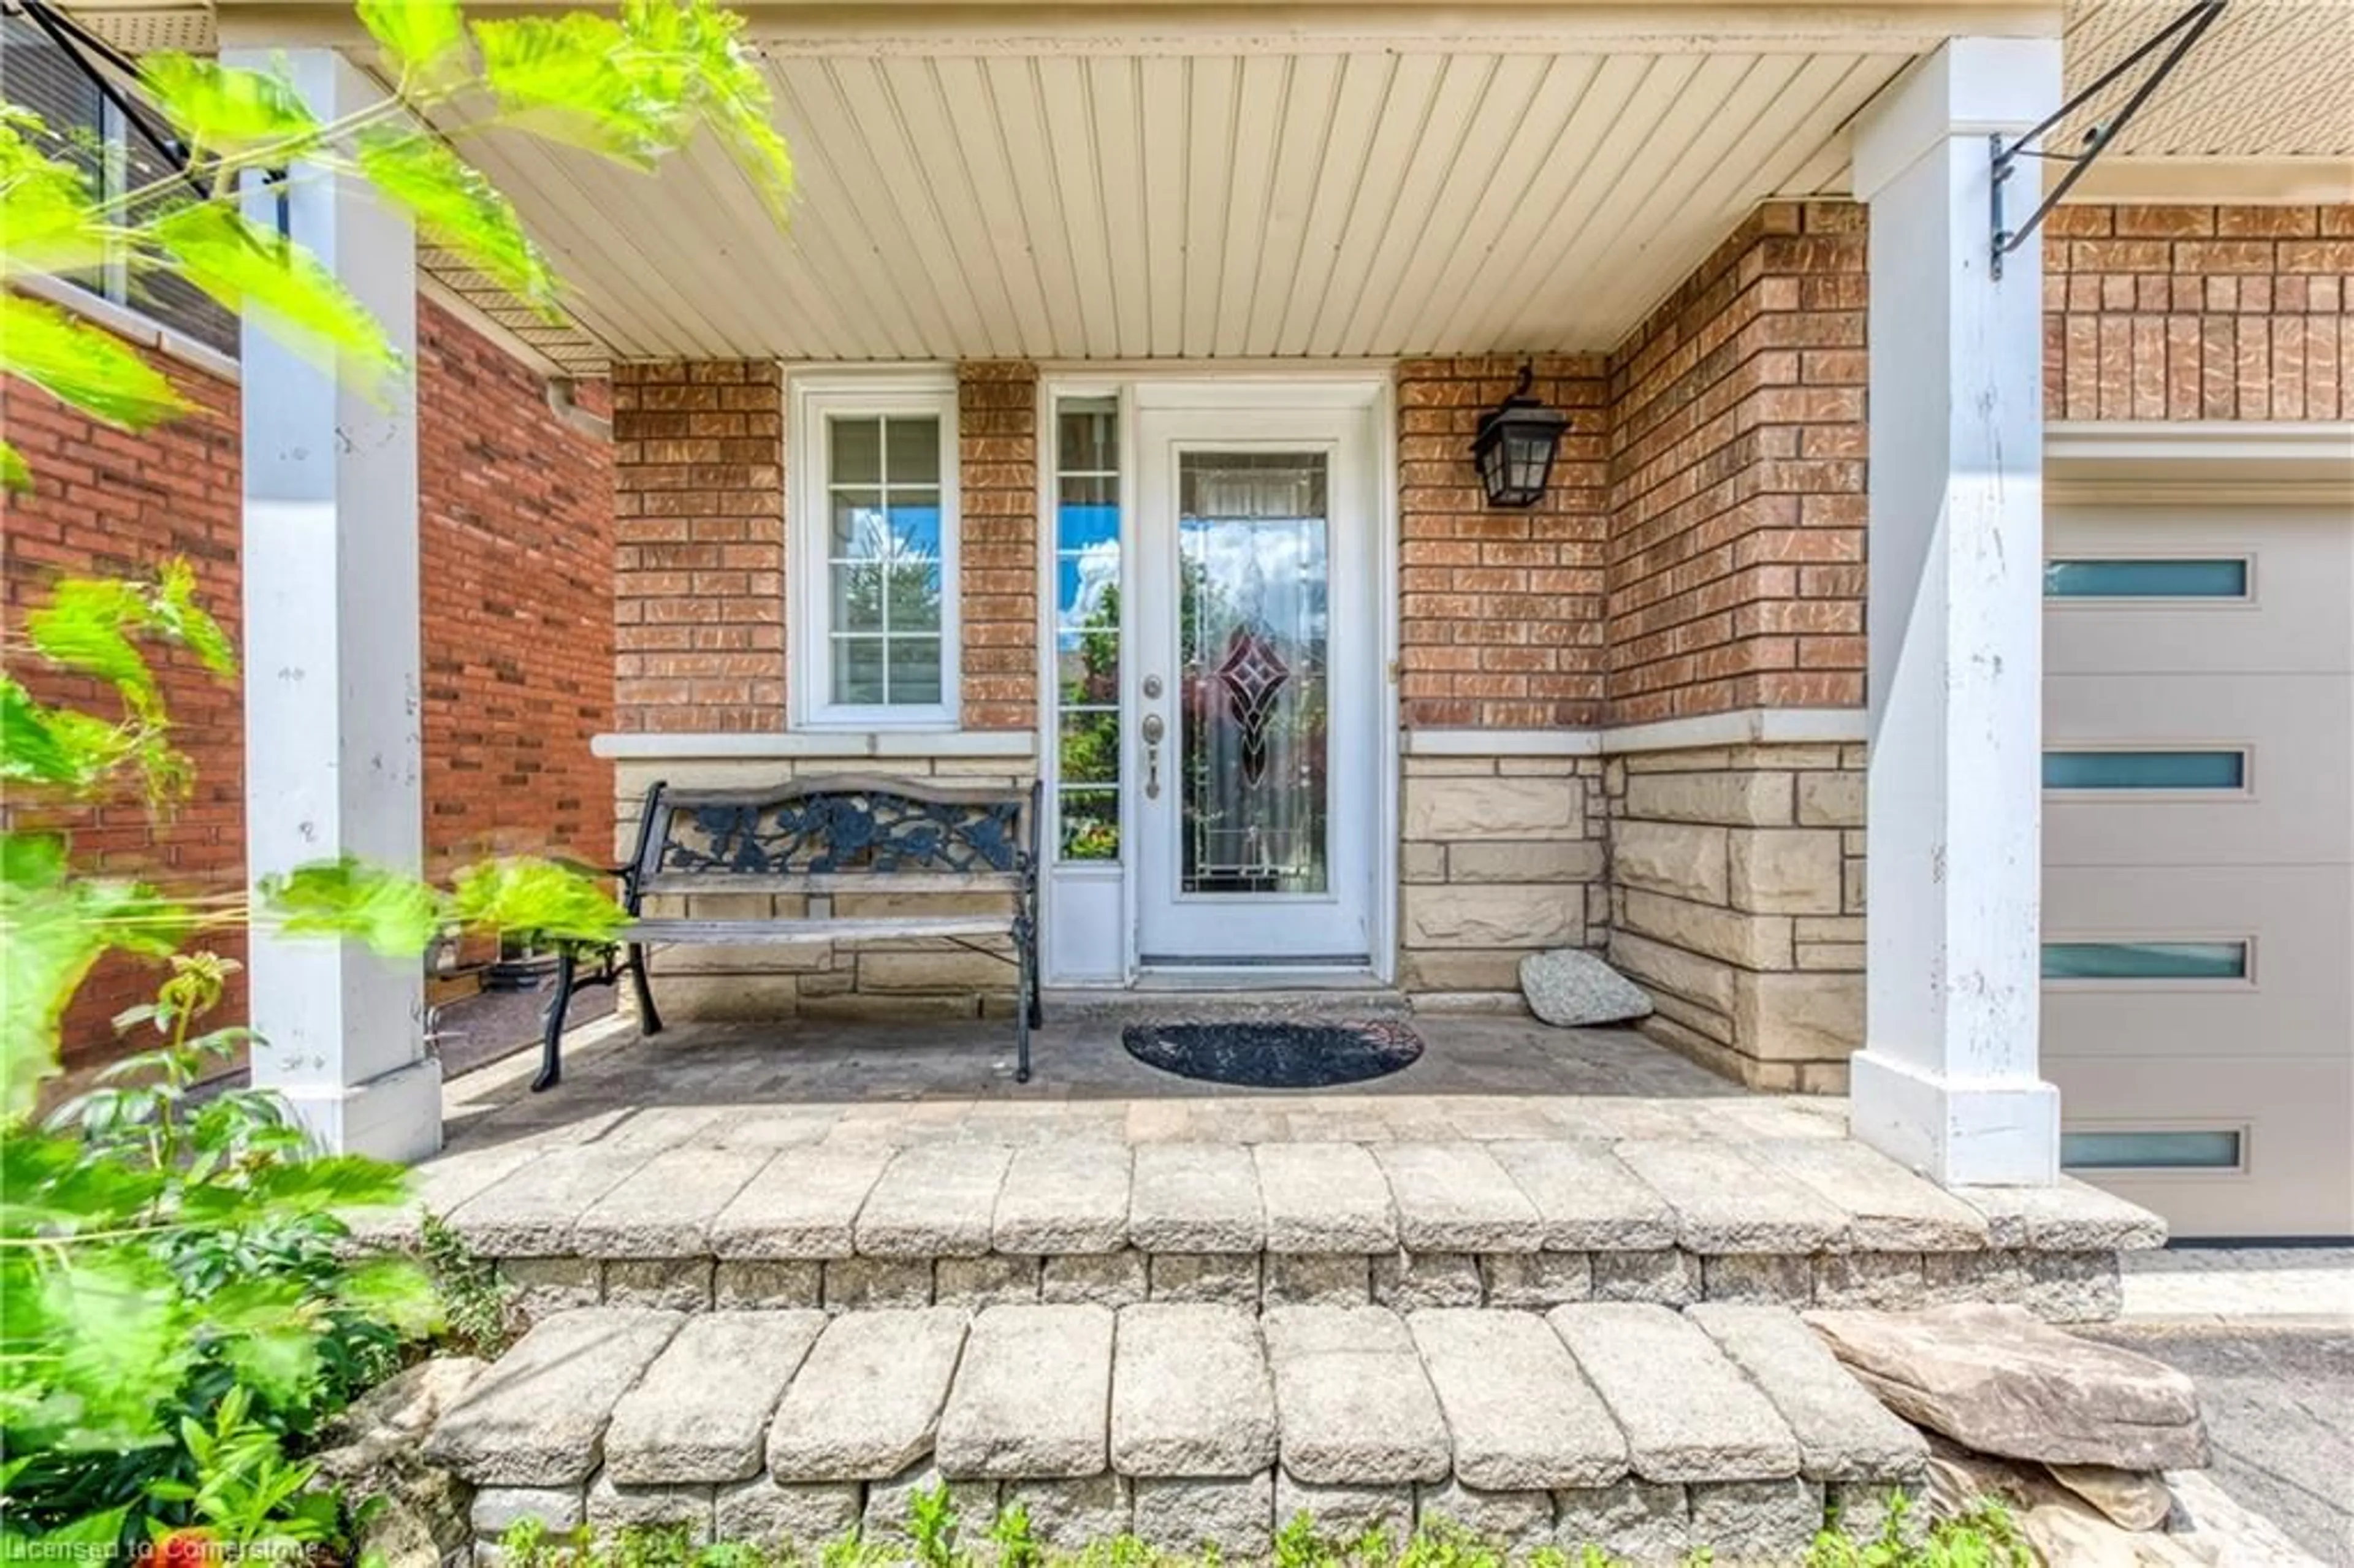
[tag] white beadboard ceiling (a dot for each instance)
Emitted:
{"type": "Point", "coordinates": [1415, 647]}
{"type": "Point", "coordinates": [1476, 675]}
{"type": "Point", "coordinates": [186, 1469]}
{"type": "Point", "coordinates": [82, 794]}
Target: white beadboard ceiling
{"type": "Point", "coordinates": [1333, 201]}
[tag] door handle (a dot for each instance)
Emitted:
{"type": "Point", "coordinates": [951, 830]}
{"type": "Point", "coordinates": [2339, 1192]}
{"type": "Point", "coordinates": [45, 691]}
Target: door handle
{"type": "Point", "coordinates": [1153, 729]}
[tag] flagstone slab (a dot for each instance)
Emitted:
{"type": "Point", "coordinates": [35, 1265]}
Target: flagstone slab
{"type": "Point", "coordinates": [1889, 1208]}
{"type": "Point", "coordinates": [1063, 1197]}
{"type": "Point", "coordinates": [1726, 1201]}
{"type": "Point", "coordinates": [865, 1405]}
{"type": "Point", "coordinates": [934, 1199]}
{"type": "Point", "coordinates": [1522, 1416]}
{"type": "Point", "coordinates": [663, 1209]}
{"type": "Point", "coordinates": [702, 1411]}
{"type": "Point", "coordinates": [1030, 1395]}
{"type": "Point", "coordinates": [1352, 1404]}
{"type": "Point", "coordinates": [2068, 1216]}
{"type": "Point", "coordinates": [1324, 1198]}
{"type": "Point", "coordinates": [1195, 1198]}
{"type": "Point", "coordinates": [1190, 1392]}
{"type": "Point", "coordinates": [1688, 1414]}
{"type": "Point", "coordinates": [1844, 1433]}
{"type": "Point", "coordinates": [802, 1204]}
{"type": "Point", "coordinates": [537, 1417]}
{"type": "Point", "coordinates": [1585, 1197]}
{"type": "Point", "coordinates": [529, 1211]}
{"type": "Point", "coordinates": [1454, 1197]}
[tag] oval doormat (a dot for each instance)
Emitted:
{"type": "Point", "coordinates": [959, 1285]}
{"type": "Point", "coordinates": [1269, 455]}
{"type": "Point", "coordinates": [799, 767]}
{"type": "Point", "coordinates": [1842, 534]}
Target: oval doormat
{"type": "Point", "coordinates": [1268, 1054]}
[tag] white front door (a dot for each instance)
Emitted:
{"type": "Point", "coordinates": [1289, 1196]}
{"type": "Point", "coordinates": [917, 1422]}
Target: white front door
{"type": "Point", "coordinates": [1254, 696]}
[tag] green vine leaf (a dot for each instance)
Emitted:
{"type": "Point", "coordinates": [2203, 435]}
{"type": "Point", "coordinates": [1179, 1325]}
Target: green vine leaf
{"type": "Point", "coordinates": [394, 914]}
{"type": "Point", "coordinates": [46, 208]}
{"type": "Point", "coordinates": [427, 38]}
{"type": "Point", "coordinates": [537, 901]}
{"type": "Point", "coordinates": [224, 109]}
{"type": "Point", "coordinates": [83, 367]}
{"type": "Point", "coordinates": [16, 474]}
{"type": "Point", "coordinates": [296, 299]}
{"type": "Point", "coordinates": [576, 78]}
{"type": "Point", "coordinates": [455, 206]}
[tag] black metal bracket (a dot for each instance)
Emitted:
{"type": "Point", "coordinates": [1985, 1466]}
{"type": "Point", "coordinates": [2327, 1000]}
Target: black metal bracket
{"type": "Point", "coordinates": [2181, 33]}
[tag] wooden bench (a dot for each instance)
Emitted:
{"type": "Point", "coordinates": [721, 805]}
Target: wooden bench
{"type": "Point", "coordinates": [820, 838]}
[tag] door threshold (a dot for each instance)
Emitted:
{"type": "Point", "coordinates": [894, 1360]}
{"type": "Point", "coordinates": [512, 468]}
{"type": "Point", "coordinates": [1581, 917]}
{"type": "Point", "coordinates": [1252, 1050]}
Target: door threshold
{"type": "Point", "coordinates": [1197, 1001]}
{"type": "Point", "coordinates": [1243, 978]}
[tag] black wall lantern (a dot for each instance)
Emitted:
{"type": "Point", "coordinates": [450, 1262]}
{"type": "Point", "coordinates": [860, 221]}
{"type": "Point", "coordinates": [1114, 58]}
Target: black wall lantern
{"type": "Point", "coordinates": [1515, 447]}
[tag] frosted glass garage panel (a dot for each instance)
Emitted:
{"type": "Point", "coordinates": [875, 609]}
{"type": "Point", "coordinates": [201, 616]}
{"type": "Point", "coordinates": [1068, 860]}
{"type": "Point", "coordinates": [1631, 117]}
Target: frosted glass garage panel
{"type": "Point", "coordinates": [2147, 579]}
{"type": "Point", "coordinates": [2146, 960]}
{"type": "Point", "coordinates": [2145, 769]}
{"type": "Point", "coordinates": [2218, 1150]}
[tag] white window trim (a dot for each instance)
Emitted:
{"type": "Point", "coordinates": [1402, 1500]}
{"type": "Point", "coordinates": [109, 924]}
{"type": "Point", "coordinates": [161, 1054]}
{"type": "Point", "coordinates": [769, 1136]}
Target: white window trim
{"type": "Point", "coordinates": [813, 398]}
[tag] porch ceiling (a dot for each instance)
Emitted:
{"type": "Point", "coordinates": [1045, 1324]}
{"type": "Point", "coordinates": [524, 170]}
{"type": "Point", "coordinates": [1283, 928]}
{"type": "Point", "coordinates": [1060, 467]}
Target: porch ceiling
{"type": "Point", "coordinates": [1336, 200]}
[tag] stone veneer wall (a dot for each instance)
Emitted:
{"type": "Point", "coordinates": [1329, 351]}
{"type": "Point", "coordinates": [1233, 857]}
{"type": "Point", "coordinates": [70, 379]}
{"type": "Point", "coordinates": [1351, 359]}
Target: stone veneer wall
{"type": "Point", "coordinates": [1737, 900]}
{"type": "Point", "coordinates": [1503, 856]}
{"type": "Point", "coordinates": [870, 978]}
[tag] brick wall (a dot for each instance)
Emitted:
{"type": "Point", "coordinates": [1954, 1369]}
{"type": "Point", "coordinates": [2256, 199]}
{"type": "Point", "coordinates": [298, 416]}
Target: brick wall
{"type": "Point", "coordinates": [1499, 612]}
{"type": "Point", "coordinates": [699, 546]}
{"type": "Point", "coordinates": [997, 543]}
{"type": "Point", "coordinates": [1734, 576]}
{"type": "Point", "coordinates": [2198, 313]}
{"type": "Point", "coordinates": [515, 546]}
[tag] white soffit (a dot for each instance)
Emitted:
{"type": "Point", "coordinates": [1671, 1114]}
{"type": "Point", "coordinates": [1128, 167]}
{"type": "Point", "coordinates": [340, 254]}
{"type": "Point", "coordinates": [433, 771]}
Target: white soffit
{"type": "Point", "coordinates": [2271, 79]}
{"type": "Point", "coordinates": [976, 200]}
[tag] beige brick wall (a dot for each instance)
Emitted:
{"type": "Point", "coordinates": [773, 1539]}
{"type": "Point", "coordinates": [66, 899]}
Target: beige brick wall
{"type": "Point", "coordinates": [1737, 896]}
{"type": "Point", "coordinates": [1501, 856]}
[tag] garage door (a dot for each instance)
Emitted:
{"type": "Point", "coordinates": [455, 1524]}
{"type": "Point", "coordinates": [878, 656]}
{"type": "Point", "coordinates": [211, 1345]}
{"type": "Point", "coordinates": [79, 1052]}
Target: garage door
{"type": "Point", "coordinates": [2199, 859]}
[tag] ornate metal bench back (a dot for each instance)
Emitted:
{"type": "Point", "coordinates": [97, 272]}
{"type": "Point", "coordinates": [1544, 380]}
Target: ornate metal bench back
{"type": "Point", "coordinates": [823, 829]}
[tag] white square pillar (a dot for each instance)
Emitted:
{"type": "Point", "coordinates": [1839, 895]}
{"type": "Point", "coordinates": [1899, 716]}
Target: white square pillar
{"type": "Point", "coordinates": [332, 736]}
{"type": "Point", "coordinates": [1948, 1081]}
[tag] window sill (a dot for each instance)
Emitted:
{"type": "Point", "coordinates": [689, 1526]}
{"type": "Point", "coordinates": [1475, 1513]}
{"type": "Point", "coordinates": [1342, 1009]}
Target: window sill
{"type": "Point", "coordinates": [642, 745]}
{"type": "Point", "coordinates": [129, 325]}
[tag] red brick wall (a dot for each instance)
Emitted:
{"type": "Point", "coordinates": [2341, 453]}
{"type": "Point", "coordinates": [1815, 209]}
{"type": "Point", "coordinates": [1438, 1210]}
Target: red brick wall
{"type": "Point", "coordinates": [516, 547]}
{"type": "Point", "coordinates": [1734, 576]}
{"type": "Point", "coordinates": [1500, 612]}
{"type": "Point", "coordinates": [997, 543]}
{"type": "Point", "coordinates": [699, 546]}
{"type": "Point", "coordinates": [2198, 313]}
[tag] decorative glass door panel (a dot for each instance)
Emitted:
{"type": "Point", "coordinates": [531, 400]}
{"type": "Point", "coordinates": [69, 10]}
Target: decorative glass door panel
{"type": "Point", "coordinates": [1253, 705]}
{"type": "Point", "coordinates": [1251, 692]}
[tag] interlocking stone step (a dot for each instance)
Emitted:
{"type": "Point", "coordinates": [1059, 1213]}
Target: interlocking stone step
{"type": "Point", "coordinates": [1636, 1427]}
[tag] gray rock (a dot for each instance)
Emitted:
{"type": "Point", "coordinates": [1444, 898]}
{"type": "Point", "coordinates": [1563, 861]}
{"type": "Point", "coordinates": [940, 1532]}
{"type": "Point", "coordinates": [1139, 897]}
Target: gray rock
{"type": "Point", "coordinates": [2067, 1217]}
{"type": "Point", "coordinates": [701, 1412]}
{"type": "Point", "coordinates": [1763, 1522]}
{"type": "Point", "coordinates": [805, 1515]}
{"type": "Point", "coordinates": [1076, 1512]}
{"type": "Point", "coordinates": [1106, 1279]}
{"type": "Point", "coordinates": [1889, 1208]}
{"type": "Point", "coordinates": [1571, 990]}
{"type": "Point", "coordinates": [1669, 1278]}
{"type": "Point", "coordinates": [934, 1199]}
{"type": "Point", "coordinates": [1179, 1514]}
{"type": "Point", "coordinates": [1309, 1279]}
{"type": "Point", "coordinates": [1352, 1400]}
{"type": "Point", "coordinates": [866, 1403]}
{"type": "Point", "coordinates": [1063, 1198]}
{"type": "Point", "coordinates": [1411, 1281]}
{"type": "Point", "coordinates": [1859, 1510]}
{"type": "Point", "coordinates": [2207, 1518]}
{"type": "Point", "coordinates": [1638, 1520]}
{"type": "Point", "coordinates": [1886, 1281]}
{"type": "Point", "coordinates": [529, 1211]}
{"type": "Point", "coordinates": [2137, 1499]}
{"type": "Point", "coordinates": [537, 1286]}
{"type": "Point", "coordinates": [498, 1509]}
{"type": "Point", "coordinates": [802, 1203]}
{"type": "Point", "coordinates": [1228, 1278]}
{"type": "Point", "coordinates": [1538, 1280]}
{"type": "Point", "coordinates": [1688, 1413]}
{"type": "Point", "coordinates": [537, 1417]}
{"type": "Point", "coordinates": [1324, 1198]}
{"type": "Point", "coordinates": [1030, 1395]}
{"type": "Point", "coordinates": [1518, 1522]}
{"type": "Point", "coordinates": [680, 1284]}
{"type": "Point", "coordinates": [1844, 1433]}
{"type": "Point", "coordinates": [1726, 1201]}
{"type": "Point", "coordinates": [1195, 1198]}
{"type": "Point", "coordinates": [1191, 1393]}
{"type": "Point", "coordinates": [1997, 1380]}
{"type": "Point", "coordinates": [663, 1209]}
{"type": "Point", "coordinates": [883, 1519]}
{"type": "Point", "coordinates": [1345, 1513]}
{"type": "Point", "coordinates": [418, 1512]}
{"type": "Point", "coordinates": [1454, 1197]}
{"type": "Point", "coordinates": [2073, 1286]}
{"type": "Point", "coordinates": [611, 1507]}
{"type": "Point", "coordinates": [996, 1280]}
{"type": "Point", "coordinates": [869, 1284]}
{"type": "Point", "coordinates": [1523, 1418]}
{"type": "Point", "coordinates": [398, 1415]}
{"type": "Point", "coordinates": [1586, 1198]}
{"type": "Point", "coordinates": [1769, 1279]}
{"type": "Point", "coordinates": [738, 1284]}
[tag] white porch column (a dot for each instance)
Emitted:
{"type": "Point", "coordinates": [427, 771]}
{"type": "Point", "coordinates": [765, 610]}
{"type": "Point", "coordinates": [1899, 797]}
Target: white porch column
{"type": "Point", "coordinates": [1948, 1081]}
{"type": "Point", "coordinates": [331, 730]}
